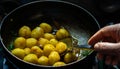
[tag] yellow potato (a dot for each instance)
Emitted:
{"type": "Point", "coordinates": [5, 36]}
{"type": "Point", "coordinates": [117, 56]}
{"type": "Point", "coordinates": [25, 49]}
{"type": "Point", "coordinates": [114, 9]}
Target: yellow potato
{"type": "Point", "coordinates": [61, 47]}
{"type": "Point", "coordinates": [42, 42]}
{"type": "Point", "coordinates": [53, 57]}
{"type": "Point", "coordinates": [31, 42]}
{"type": "Point", "coordinates": [32, 58]}
{"type": "Point", "coordinates": [62, 33]}
{"type": "Point", "coordinates": [48, 48]}
{"type": "Point", "coordinates": [69, 57]}
{"type": "Point", "coordinates": [53, 42]}
{"type": "Point", "coordinates": [37, 33]}
{"type": "Point", "coordinates": [25, 31]}
{"type": "Point", "coordinates": [37, 50]}
{"type": "Point", "coordinates": [43, 46]}
{"type": "Point", "coordinates": [20, 42]}
{"type": "Point", "coordinates": [59, 63]}
{"type": "Point", "coordinates": [49, 36]}
{"type": "Point", "coordinates": [43, 60]}
{"type": "Point", "coordinates": [27, 50]}
{"type": "Point", "coordinates": [46, 27]}
{"type": "Point", "coordinates": [20, 53]}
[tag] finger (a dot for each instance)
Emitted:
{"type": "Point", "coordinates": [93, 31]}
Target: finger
{"type": "Point", "coordinates": [100, 35]}
{"type": "Point", "coordinates": [109, 39]}
{"type": "Point", "coordinates": [96, 38]}
{"type": "Point", "coordinates": [107, 48]}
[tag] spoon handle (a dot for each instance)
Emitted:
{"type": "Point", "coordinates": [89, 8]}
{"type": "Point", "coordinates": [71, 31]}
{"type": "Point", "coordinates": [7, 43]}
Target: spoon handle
{"type": "Point", "coordinates": [85, 46]}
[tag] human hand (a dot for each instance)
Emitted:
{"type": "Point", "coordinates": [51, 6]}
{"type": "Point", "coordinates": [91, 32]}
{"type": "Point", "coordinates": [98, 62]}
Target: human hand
{"type": "Point", "coordinates": [107, 43]}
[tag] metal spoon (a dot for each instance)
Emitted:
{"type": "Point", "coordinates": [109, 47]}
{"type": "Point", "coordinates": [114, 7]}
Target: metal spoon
{"type": "Point", "coordinates": [73, 43]}
{"type": "Point", "coordinates": [86, 46]}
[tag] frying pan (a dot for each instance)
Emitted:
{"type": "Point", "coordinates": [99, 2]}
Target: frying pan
{"type": "Point", "coordinates": [81, 24]}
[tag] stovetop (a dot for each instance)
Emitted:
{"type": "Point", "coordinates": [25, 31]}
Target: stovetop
{"type": "Point", "coordinates": [105, 11]}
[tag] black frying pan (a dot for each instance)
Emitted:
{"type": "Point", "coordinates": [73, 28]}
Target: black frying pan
{"type": "Point", "coordinates": [79, 21]}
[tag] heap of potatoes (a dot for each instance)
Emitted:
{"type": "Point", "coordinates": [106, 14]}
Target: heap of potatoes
{"type": "Point", "coordinates": [42, 45]}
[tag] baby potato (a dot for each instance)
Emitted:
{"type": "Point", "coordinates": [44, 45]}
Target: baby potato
{"type": "Point", "coordinates": [20, 53]}
{"type": "Point", "coordinates": [62, 33]}
{"type": "Point", "coordinates": [53, 41]}
{"type": "Point", "coordinates": [43, 60]}
{"type": "Point", "coordinates": [53, 57]}
{"type": "Point", "coordinates": [61, 47]}
{"type": "Point", "coordinates": [37, 32]}
{"type": "Point", "coordinates": [31, 42]}
{"type": "Point", "coordinates": [49, 36]}
{"type": "Point", "coordinates": [37, 50]}
{"type": "Point", "coordinates": [59, 63]}
{"type": "Point", "coordinates": [48, 48]}
{"type": "Point", "coordinates": [20, 42]}
{"type": "Point", "coordinates": [69, 57]}
{"type": "Point", "coordinates": [32, 58]}
{"type": "Point", "coordinates": [42, 42]}
{"type": "Point", "coordinates": [46, 27]}
{"type": "Point", "coordinates": [25, 31]}
{"type": "Point", "coordinates": [27, 50]}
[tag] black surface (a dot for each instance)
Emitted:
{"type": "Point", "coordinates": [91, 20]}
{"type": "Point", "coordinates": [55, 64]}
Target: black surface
{"type": "Point", "coordinates": [106, 11]}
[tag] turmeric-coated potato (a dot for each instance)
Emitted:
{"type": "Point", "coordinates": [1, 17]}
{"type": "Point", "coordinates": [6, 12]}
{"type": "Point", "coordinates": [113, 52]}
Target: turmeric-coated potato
{"type": "Point", "coordinates": [27, 50]}
{"type": "Point", "coordinates": [59, 63]}
{"type": "Point", "coordinates": [20, 53]}
{"type": "Point", "coordinates": [43, 60]}
{"type": "Point", "coordinates": [20, 42]}
{"type": "Point", "coordinates": [61, 47]}
{"type": "Point", "coordinates": [48, 48]}
{"type": "Point", "coordinates": [37, 50]}
{"type": "Point", "coordinates": [43, 45]}
{"type": "Point", "coordinates": [25, 31]}
{"type": "Point", "coordinates": [42, 42]}
{"type": "Point", "coordinates": [31, 42]}
{"type": "Point", "coordinates": [46, 27]}
{"type": "Point", "coordinates": [32, 58]}
{"type": "Point", "coordinates": [53, 41]}
{"type": "Point", "coordinates": [53, 57]}
{"type": "Point", "coordinates": [62, 33]}
{"type": "Point", "coordinates": [49, 36]}
{"type": "Point", "coordinates": [37, 33]}
{"type": "Point", "coordinates": [69, 57]}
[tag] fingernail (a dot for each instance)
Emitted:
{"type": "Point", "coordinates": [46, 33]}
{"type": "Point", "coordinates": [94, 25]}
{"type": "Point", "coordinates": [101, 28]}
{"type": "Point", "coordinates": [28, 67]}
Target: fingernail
{"type": "Point", "coordinates": [96, 46]}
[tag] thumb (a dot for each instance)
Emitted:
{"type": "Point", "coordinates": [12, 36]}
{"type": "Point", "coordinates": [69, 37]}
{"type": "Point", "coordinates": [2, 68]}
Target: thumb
{"type": "Point", "coordinates": [106, 47]}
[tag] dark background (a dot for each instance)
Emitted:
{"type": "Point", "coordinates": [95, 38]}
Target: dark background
{"type": "Point", "coordinates": [106, 11]}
